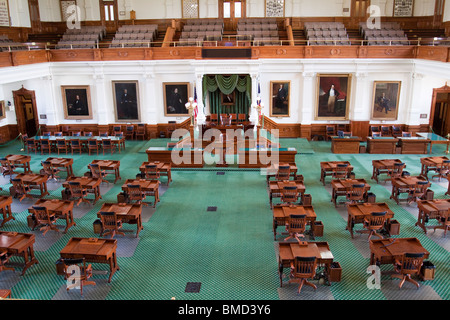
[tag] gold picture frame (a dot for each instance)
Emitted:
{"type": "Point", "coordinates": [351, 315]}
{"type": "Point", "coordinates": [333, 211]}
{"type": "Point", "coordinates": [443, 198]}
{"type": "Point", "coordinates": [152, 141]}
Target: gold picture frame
{"type": "Point", "coordinates": [333, 96]}
{"type": "Point", "coordinates": [176, 95]}
{"type": "Point", "coordinates": [126, 100]}
{"type": "Point", "coordinates": [385, 100]}
{"type": "Point", "coordinates": [2, 110]}
{"type": "Point", "coordinates": [228, 99]}
{"type": "Point", "coordinates": [280, 98]}
{"type": "Point", "coordinates": [76, 102]}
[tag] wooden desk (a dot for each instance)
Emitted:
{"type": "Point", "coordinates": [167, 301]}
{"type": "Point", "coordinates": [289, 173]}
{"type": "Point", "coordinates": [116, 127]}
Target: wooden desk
{"type": "Point", "coordinates": [276, 187]}
{"type": "Point", "coordinates": [150, 187]}
{"type": "Point", "coordinates": [383, 167]}
{"type": "Point", "coordinates": [19, 244]}
{"type": "Point", "coordinates": [387, 251]}
{"type": "Point", "coordinates": [430, 164]}
{"type": "Point", "coordinates": [163, 167]}
{"type": "Point", "coordinates": [327, 167]}
{"type": "Point", "coordinates": [91, 184]}
{"type": "Point", "coordinates": [403, 185]}
{"type": "Point", "coordinates": [262, 157]}
{"type": "Point", "coordinates": [281, 215]}
{"type": "Point", "coordinates": [109, 165]}
{"type": "Point", "coordinates": [382, 145]}
{"type": "Point", "coordinates": [431, 209]}
{"type": "Point", "coordinates": [20, 161]}
{"type": "Point", "coordinates": [434, 139]}
{"type": "Point", "coordinates": [272, 169]}
{"type": "Point", "coordinates": [5, 294]}
{"type": "Point", "coordinates": [413, 145]}
{"type": "Point", "coordinates": [345, 145]}
{"type": "Point", "coordinates": [289, 250]}
{"type": "Point", "coordinates": [127, 213]}
{"type": "Point", "coordinates": [117, 141]}
{"type": "Point", "coordinates": [34, 180]}
{"type": "Point", "coordinates": [357, 213]}
{"type": "Point", "coordinates": [189, 158]}
{"type": "Point", "coordinates": [94, 251]}
{"type": "Point", "coordinates": [340, 187]}
{"type": "Point", "coordinates": [5, 208]}
{"type": "Point", "coordinates": [64, 163]}
{"type": "Point", "coordinates": [60, 208]}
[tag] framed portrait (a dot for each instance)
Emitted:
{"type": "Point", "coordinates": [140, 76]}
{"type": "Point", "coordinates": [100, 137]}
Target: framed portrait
{"type": "Point", "coordinates": [386, 95]}
{"type": "Point", "coordinates": [76, 102]}
{"type": "Point", "coordinates": [176, 95]}
{"type": "Point", "coordinates": [279, 102]}
{"type": "Point", "coordinates": [126, 100]}
{"type": "Point", "coordinates": [228, 99]}
{"type": "Point", "coordinates": [333, 96]}
{"type": "Point", "coordinates": [2, 109]}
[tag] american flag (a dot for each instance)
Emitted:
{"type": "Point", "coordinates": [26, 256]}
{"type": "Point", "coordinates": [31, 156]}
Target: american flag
{"type": "Point", "coordinates": [195, 101]}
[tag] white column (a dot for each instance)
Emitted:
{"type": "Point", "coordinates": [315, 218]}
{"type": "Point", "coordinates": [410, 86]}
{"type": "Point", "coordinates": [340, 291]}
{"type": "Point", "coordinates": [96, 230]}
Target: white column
{"type": "Point", "coordinates": [306, 114]}
{"type": "Point", "coordinates": [49, 98]}
{"type": "Point", "coordinates": [360, 103]}
{"type": "Point", "coordinates": [148, 105]}
{"type": "Point", "coordinates": [103, 116]}
{"type": "Point", "coordinates": [416, 101]}
{"type": "Point", "coordinates": [201, 117]}
{"type": "Point", "coordinates": [253, 116]}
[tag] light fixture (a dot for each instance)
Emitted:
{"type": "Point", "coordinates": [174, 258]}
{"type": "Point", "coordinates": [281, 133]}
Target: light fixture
{"type": "Point", "coordinates": [190, 106]}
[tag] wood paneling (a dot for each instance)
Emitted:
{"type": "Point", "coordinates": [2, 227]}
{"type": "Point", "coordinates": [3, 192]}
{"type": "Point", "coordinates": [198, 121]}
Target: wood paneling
{"type": "Point", "coordinates": [8, 133]}
{"type": "Point", "coordinates": [29, 57]}
{"type": "Point", "coordinates": [435, 53]}
{"type": "Point", "coordinates": [360, 129]}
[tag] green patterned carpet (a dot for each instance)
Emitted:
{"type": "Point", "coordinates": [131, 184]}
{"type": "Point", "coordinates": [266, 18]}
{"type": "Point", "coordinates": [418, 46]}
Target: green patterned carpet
{"type": "Point", "coordinates": [230, 251]}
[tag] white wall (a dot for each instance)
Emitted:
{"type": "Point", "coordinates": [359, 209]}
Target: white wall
{"type": "Point", "coordinates": [447, 11]}
{"type": "Point", "coordinates": [418, 78]}
{"type": "Point", "coordinates": [19, 13]}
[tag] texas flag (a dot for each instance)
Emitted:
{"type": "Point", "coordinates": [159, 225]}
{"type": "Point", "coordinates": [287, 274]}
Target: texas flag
{"type": "Point", "coordinates": [195, 101]}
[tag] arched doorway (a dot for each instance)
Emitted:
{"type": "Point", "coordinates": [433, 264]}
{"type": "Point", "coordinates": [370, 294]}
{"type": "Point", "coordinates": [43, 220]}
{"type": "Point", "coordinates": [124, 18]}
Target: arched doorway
{"type": "Point", "coordinates": [440, 113]}
{"type": "Point", "coordinates": [26, 111]}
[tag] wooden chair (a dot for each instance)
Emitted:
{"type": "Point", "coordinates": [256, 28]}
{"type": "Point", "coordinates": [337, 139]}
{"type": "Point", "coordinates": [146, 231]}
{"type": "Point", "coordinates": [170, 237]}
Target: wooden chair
{"type": "Point", "coordinates": [409, 265]}
{"type": "Point", "coordinates": [135, 193]}
{"type": "Point", "coordinates": [418, 191]}
{"type": "Point", "coordinates": [43, 218]}
{"type": "Point", "coordinates": [49, 170]}
{"type": "Point", "coordinates": [214, 118]}
{"type": "Point", "coordinates": [110, 224]}
{"type": "Point", "coordinates": [93, 145]}
{"type": "Point", "coordinates": [77, 271]}
{"type": "Point", "coordinates": [151, 172]}
{"type": "Point", "coordinates": [340, 171]}
{"type": "Point", "coordinates": [442, 170]}
{"type": "Point", "coordinates": [171, 127]}
{"type": "Point", "coordinates": [406, 134]}
{"type": "Point", "coordinates": [375, 222]}
{"type": "Point", "coordinates": [97, 172]}
{"type": "Point", "coordinates": [77, 192]}
{"type": "Point", "coordinates": [330, 131]}
{"type": "Point", "coordinates": [65, 130]}
{"type": "Point", "coordinates": [233, 117]}
{"type": "Point", "coordinates": [296, 226]}
{"type": "Point", "coordinates": [88, 134]}
{"type": "Point", "coordinates": [129, 132]}
{"type": "Point", "coordinates": [7, 167]}
{"type": "Point", "coordinates": [385, 131]}
{"type": "Point", "coordinates": [397, 131]}
{"type": "Point", "coordinates": [75, 144]}
{"type": "Point", "coordinates": [376, 134]}
{"type": "Point", "coordinates": [122, 142]}
{"type": "Point", "coordinates": [32, 145]}
{"type": "Point", "coordinates": [116, 128]}
{"type": "Point", "coordinates": [20, 189]}
{"type": "Point", "coordinates": [4, 258]}
{"type": "Point", "coordinates": [290, 195]}
{"type": "Point", "coordinates": [108, 145]}
{"type": "Point", "coordinates": [45, 146]}
{"type": "Point", "coordinates": [302, 269]}
{"type": "Point", "coordinates": [357, 193]}
{"type": "Point", "coordinates": [242, 117]}
{"type": "Point", "coordinates": [76, 134]}
{"type": "Point", "coordinates": [103, 134]}
{"type": "Point", "coordinates": [58, 134]}
{"type": "Point", "coordinates": [62, 145]}
{"type": "Point", "coordinates": [46, 134]}
{"type": "Point", "coordinates": [140, 131]}
{"type": "Point", "coordinates": [444, 222]}
{"type": "Point", "coordinates": [396, 171]}
{"type": "Point", "coordinates": [283, 173]}
{"type": "Point", "coordinates": [374, 129]}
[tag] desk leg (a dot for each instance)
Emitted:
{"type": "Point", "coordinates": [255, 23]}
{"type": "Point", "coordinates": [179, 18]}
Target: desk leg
{"type": "Point", "coordinates": [421, 221]}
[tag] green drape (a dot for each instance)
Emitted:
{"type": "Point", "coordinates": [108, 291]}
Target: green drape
{"type": "Point", "coordinates": [217, 84]}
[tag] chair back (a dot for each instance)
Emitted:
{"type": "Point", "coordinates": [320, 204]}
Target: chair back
{"type": "Point", "coordinates": [297, 223]}
{"type": "Point", "coordinates": [406, 134]}
{"type": "Point", "coordinates": [376, 220]}
{"type": "Point", "coordinates": [61, 143]}
{"type": "Point", "coordinates": [93, 143]}
{"type": "Point", "coordinates": [95, 170]}
{"type": "Point", "coordinates": [88, 134]}
{"type": "Point", "coordinates": [242, 117]}
{"type": "Point", "coordinates": [283, 173]}
{"type": "Point", "coordinates": [135, 192]}
{"type": "Point", "coordinates": [75, 189]}
{"type": "Point", "coordinates": [75, 143]}
{"type": "Point", "coordinates": [289, 194]}
{"type": "Point", "coordinates": [385, 130]}
{"type": "Point", "coordinates": [411, 263]}
{"type": "Point", "coordinates": [331, 130]}
{"type": "Point", "coordinates": [357, 191]}
{"type": "Point", "coordinates": [106, 142]}
{"type": "Point", "coordinates": [41, 214]}
{"type": "Point", "coordinates": [76, 134]}
{"type": "Point", "coordinates": [109, 219]}
{"type": "Point", "coordinates": [103, 134]}
{"type": "Point", "coordinates": [151, 172]}
{"type": "Point", "coordinates": [47, 134]}
{"type": "Point", "coordinates": [58, 134]}
{"type": "Point", "coordinates": [18, 185]}
{"type": "Point", "coordinates": [70, 272]}
{"type": "Point", "coordinates": [340, 171]}
{"type": "Point", "coordinates": [374, 129]}
{"type": "Point", "coordinates": [376, 134]}
{"type": "Point", "coordinates": [304, 267]}
{"type": "Point", "coordinates": [47, 167]}
{"type": "Point", "coordinates": [214, 117]}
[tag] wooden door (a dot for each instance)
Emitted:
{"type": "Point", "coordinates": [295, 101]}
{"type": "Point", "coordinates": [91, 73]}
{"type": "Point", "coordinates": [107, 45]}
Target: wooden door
{"type": "Point", "coordinates": [440, 113]}
{"type": "Point", "coordinates": [26, 112]}
{"type": "Point", "coordinates": [109, 15]}
{"type": "Point", "coordinates": [231, 11]}
{"type": "Point", "coordinates": [358, 12]}
{"type": "Point", "coordinates": [438, 13]}
{"type": "Point", "coordinates": [35, 19]}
